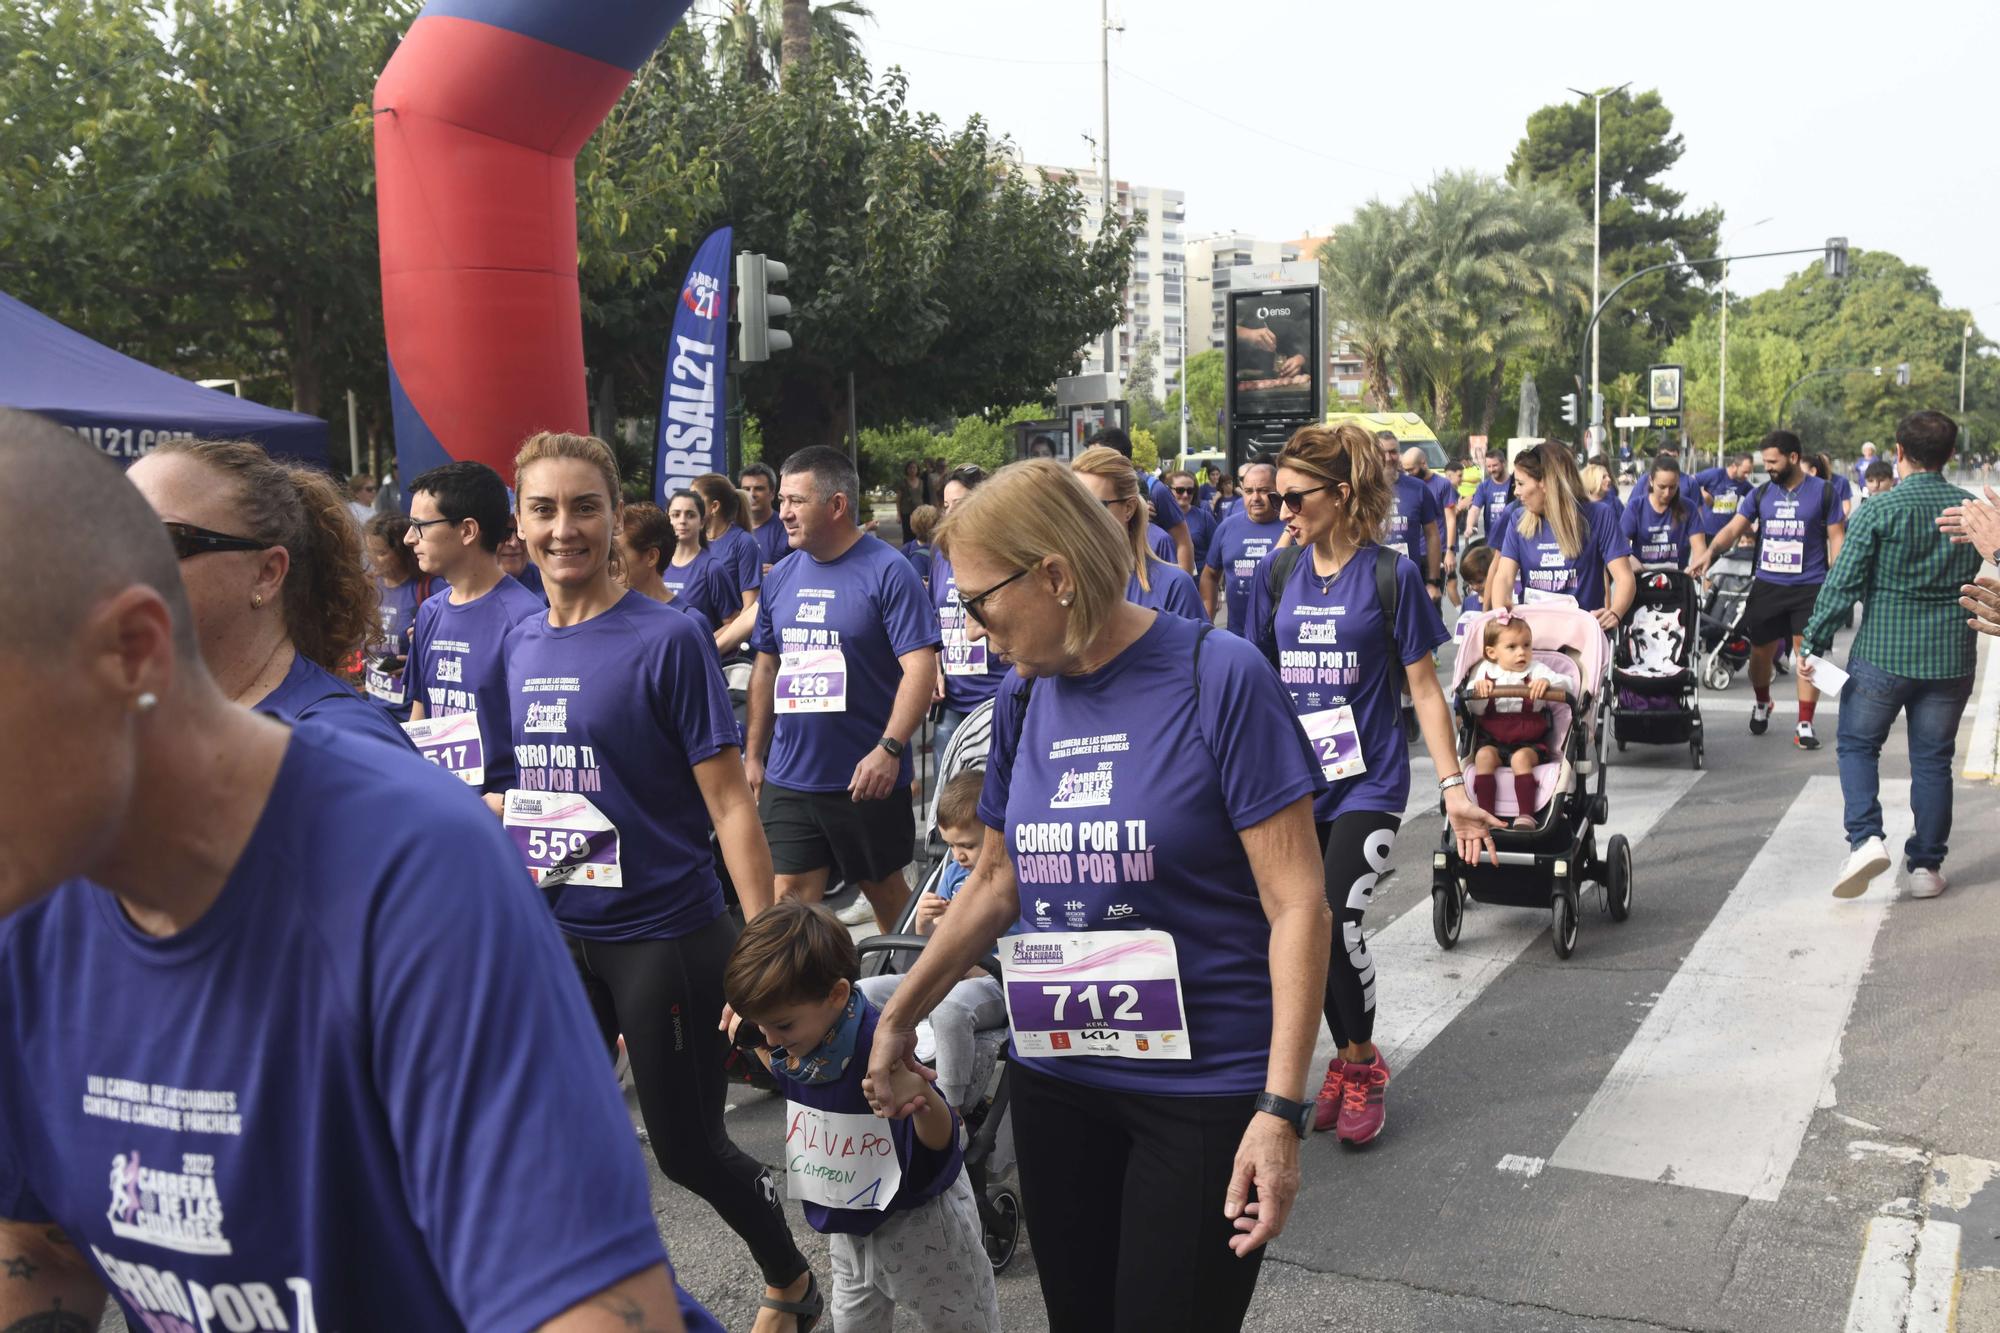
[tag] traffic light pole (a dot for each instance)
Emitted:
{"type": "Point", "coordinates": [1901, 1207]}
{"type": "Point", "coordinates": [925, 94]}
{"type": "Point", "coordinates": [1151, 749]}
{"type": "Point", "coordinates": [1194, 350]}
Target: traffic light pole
{"type": "Point", "coordinates": [1583, 353]}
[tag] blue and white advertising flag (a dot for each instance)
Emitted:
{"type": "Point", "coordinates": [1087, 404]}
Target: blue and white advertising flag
{"type": "Point", "coordinates": [692, 405]}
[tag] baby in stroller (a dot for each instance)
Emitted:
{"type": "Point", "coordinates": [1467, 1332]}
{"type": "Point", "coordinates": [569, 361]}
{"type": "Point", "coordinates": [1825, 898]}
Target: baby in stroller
{"type": "Point", "coordinates": [946, 1039]}
{"type": "Point", "coordinates": [1511, 730]}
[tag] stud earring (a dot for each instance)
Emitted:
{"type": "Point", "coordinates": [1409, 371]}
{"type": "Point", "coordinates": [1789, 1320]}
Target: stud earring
{"type": "Point", "coordinates": [146, 702]}
{"type": "Point", "coordinates": [256, 599]}
{"type": "Point", "coordinates": [1066, 600]}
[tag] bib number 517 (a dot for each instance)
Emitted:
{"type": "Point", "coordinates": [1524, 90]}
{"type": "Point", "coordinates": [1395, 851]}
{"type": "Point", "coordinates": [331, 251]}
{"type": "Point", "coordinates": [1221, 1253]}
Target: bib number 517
{"type": "Point", "coordinates": [1126, 997]}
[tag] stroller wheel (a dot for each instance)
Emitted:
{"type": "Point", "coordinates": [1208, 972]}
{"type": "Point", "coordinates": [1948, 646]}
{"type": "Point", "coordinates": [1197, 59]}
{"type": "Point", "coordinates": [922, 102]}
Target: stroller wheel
{"type": "Point", "coordinates": [1618, 877]}
{"type": "Point", "coordinates": [1562, 922]}
{"type": "Point", "coordinates": [1446, 913]}
{"type": "Point", "coordinates": [1621, 745]}
{"type": "Point", "coordinates": [1694, 749]}
{"type": "Point", "coordinates": [1002, 1216]}
{"type": "Point", "coordinates": [1717, 677]}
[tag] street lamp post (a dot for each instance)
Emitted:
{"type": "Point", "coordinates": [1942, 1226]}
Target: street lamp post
{"type": "Point", "coordinates": [1964, 344]}
{"type": "Point", "coordinates": [1596, 234]}
{"type": "Point", "coordinates": [1722, 399]}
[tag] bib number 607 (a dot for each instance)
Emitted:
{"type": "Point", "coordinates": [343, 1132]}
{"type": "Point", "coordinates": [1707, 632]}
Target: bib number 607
{"type": "Point", "coordinates": [1126, 997]}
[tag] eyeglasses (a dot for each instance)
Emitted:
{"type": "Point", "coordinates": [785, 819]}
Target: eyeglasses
{"type": "Point", "coordinates": [190, 540]}
{"type": "Point", "coordinates": [417, 525]}
{"type": "Point", "coordinates": [1296, 500]}
{"type": "Point", "coordinates": [971, 604]}
{"type": "Point", "coordinates": [1183, 490]}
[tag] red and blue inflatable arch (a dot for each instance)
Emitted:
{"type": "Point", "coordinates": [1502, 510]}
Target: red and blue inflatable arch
{"type": "Point", "coordinates": [479, 117]}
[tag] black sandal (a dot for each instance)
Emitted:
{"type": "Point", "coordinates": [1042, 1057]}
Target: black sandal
{"type": "Point", "coordinates": [808, 1310]}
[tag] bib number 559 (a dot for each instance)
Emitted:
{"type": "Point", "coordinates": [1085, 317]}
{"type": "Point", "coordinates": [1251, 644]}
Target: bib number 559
{"type": "Point", "coordinates": [555, 846]}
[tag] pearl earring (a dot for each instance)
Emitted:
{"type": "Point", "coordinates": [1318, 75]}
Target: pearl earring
{"type": "Point", "coordinates": [146, 702]}
{"type": "Point", "coordinates": [1066, 600]}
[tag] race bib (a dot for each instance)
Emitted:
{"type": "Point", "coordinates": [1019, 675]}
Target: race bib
{"type": "Point", "coordinates": [1783, 557]}
{"type": "Point", "coordinates": [1724, 503]}
{"type": "Point", "coordinates": [839, 1159]}
{"type": "Point", "coordinates": [1532, 596]}
{"type": "Point", "coordinates": [812, 681]}
{"type": "Point", "coordinates": [1336, 742]}
{"type": "Point", "coordinates": [1399, 547]}
{"type": "Point", "coordinates": [961, 658]}
{"type": "Point", "coordinates": [451, 742]}
{"type": "Point", "coordinates": [563, 838]}
{"type": "Point", "coordinates": [384, 686]}
{"type": "Point", "coordinates": [1099, 992]}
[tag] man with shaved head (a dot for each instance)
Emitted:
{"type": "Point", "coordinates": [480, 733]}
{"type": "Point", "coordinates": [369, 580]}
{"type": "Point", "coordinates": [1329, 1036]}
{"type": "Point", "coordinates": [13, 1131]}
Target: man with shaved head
{"type": "Point", "coordinates": [243, 1080]}
{"type": "Point", "coordinates": [1417, 463]}
{"type": "Point", "coordinates": [1240, 544]}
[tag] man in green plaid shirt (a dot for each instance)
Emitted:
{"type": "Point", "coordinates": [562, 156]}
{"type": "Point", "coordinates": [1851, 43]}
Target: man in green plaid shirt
{"type": "Point", "coordinates": [1913, 653]}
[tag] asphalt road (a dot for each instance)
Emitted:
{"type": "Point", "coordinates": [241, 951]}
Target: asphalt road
{"type": "Point", "coordinates": [1702, 1120]}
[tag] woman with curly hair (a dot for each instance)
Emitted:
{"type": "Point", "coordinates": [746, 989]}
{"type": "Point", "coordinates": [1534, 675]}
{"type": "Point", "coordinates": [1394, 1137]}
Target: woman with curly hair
{"type": "Point", "coordinates": [272, 562]}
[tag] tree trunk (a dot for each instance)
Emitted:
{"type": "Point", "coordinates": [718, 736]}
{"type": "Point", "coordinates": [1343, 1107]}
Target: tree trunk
{"type": "Point", "coordinates": [745, 24]}
{"type": "Point", "coordinates": [1443, 396]}
{"type": "Point", "coordinates": [796, 36]}
{"type": "Point", "coordinates": [302, 353]}
{"type": "Point", "coordinates": [1375, 378]}
{"type": "Point", "coordinates": [1491, 409]}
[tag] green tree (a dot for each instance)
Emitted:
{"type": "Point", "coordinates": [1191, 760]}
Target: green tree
{"type": "Point", "coordinates": [1645, 221]}
{"type": "Point", "coordinates": [1358, 265]}
{"type": "Point", "coordinates": [1148, 413]}
{"type": "Point", "coordinates": [749, 39]}
{"type": "Point", "coordinates": [1204, 375]}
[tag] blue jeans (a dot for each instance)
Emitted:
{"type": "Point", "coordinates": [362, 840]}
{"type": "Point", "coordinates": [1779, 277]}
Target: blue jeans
{"type": "Point", "coordinates": [1868, 707]}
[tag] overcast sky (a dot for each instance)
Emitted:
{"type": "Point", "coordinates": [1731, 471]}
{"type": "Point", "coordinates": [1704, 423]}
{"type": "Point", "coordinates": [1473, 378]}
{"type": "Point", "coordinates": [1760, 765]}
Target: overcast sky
{"type": "Point", "coordinates": [1873, 121]}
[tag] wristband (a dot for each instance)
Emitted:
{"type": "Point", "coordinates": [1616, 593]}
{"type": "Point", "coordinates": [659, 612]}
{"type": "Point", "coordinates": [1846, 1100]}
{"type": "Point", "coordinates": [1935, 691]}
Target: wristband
{"type": "Point", "coordinates": [1446, 784]}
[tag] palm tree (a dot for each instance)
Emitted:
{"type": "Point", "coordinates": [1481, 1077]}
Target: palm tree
{"type": "Point", "coordinates": [1357, 267]}
{"type": "Point", "coordinates": [762, 38]}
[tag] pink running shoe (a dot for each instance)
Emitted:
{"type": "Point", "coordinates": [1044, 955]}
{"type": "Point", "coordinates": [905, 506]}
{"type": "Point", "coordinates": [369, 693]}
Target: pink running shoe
{"type": "Point", "coordinates": [1326, 1107]}
{"type": "Point", "coordinates": [1362, 1108]}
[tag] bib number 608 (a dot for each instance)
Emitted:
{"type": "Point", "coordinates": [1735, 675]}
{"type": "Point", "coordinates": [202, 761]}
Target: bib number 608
{"type": "Point", "coordinates": [1127, 998]}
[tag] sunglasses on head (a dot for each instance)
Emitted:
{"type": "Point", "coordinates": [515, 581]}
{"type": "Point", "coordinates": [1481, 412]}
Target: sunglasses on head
{"type": "Point", "coordinates": [190, 540]}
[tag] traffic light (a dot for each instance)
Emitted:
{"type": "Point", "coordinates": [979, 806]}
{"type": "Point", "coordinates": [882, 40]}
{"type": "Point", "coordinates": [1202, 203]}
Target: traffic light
{"type": "Point", "coordinates": [1569, 409]}
{"type": "Point", "coordinates": [756, 307]}
{"type": "Point", "coordinates": [1835, 263]}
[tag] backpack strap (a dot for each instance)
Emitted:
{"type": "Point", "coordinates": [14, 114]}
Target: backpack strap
{"type": "Point", "coordinates": [1277, 573]}
{"type": "Point", "coordinates": [1388, 596]}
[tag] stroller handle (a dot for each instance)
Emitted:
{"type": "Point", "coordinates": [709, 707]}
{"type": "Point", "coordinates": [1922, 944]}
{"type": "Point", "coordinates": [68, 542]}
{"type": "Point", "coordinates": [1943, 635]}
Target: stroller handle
{"type": "Point", "coordinates": [915, 944]}
{"type": "Point", "coordinates": [1556, 693]}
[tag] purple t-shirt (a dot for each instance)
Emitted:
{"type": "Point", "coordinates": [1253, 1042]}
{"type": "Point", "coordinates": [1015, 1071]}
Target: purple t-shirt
{"type": "Point", "coordinates": [1490, 497]}
{"type": "Point", "coordinates": [743, 558]}
{"type": "Point", "coordinates": [927, 1172]}
{"type": "Point", "coordinates": [1239, 547]}
{"type": "Point", "coordinates": [1333, 651]}
{"type": "Point", "coordinates": [1791, 530]}
{"type": "Point", "coordinates": [772, 544]}
{"type": "Point", "coordinates": [1413, 508]}
{"type": "Point", "coordinates": [869, 608]}
{"type": "Point", "coordinates": [1161, 544]}
{"type": "Point", "coordinates": [1121, 802]}
{"type": "Point", "coordinates": [1167, 513]}
{"type": "Point", "coordinates": [1201, 531]}
{"type": "Point", "coordinates": [396, 616]}
{"type": "Point", "coordinates": [1545, 569]}
{"type": "Point", "coordinates": [919, 556]}
{"type": "Point", "coordinates": [309, 692]}
{"type": "Point", "coordinates": [1443, 492]}
{"type": "Point", "coordinates": [314, 1104]}
{"type": "Point", "coordinates": [618, 710]}
{"type": "Point", "coordinates": [458, 660]}
{"type": "Point", "coordinates": [971, 672]}
{"type": "Point", "coordinates": [1661, 539]}
{"type": "Point", "coordinates": [704, 584]}
{"type": "Point", "coordinates": [1173, 591]}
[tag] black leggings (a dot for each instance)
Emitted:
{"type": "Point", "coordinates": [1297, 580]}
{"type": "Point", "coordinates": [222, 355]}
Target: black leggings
{"type": "Point", "coordinates": [1355, 849]}
{"type": "Point", "coordinates": [665, 997]}
{"type": "Point", "coordinates": [1123, 1194]}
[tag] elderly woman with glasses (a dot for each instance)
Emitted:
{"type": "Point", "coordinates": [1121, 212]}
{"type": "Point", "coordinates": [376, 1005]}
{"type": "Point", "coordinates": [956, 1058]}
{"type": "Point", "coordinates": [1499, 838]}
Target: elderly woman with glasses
{"type": "Point", "coordinates": [272, 563]}
{"type": "Point", "coordinates": [1149, 838]}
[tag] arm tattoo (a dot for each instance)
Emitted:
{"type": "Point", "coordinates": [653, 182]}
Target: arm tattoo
{"type": "Point", "coordinates": [56, 1320]}
{"type": "Point", "coordinates": [20, 1266]}
{"type": "Point", "coordinates": [630, 1313]}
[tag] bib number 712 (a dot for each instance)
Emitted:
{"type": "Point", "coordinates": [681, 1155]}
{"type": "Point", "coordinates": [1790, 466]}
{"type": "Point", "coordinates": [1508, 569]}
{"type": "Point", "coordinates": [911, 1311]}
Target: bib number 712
{"type": "Point", "coordinates": [1127, 998]}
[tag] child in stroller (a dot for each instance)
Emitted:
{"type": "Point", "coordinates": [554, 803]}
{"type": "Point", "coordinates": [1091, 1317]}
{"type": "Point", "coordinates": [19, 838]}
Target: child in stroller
{"type": "Point", "coordinates": [1510, 729]}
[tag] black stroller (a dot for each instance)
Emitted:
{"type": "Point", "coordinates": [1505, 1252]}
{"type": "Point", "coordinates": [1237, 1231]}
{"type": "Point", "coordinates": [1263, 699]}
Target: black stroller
{"type": "Point", "coordinates": [988, 1148]}
{"type": "Point", "coordinates": [1655, 665]}
{"type": "Point", "coordinates": [1725, 647]}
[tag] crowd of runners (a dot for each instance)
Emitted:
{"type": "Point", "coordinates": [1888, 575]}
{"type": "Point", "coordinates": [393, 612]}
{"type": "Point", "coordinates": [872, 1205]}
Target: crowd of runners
{"type": "Point", "coordinates": [343, 1035]}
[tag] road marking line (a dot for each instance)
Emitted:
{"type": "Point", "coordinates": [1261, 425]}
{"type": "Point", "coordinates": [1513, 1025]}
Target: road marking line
{"type": "Point", "coordinates": [1420, 988]}
{"type": "Point", "coordinates": [1521, 1166]}
{"type": "Point", "coordinates": [1717, 1087]}
{"type": "Point", "coordinates": [1934, 1277]}
{"type": "Point", "coordinates": [1881, 1300]}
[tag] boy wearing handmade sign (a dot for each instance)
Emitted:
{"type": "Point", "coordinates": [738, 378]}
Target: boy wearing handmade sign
{"type": "Point", "coordinates": [890, 1195]}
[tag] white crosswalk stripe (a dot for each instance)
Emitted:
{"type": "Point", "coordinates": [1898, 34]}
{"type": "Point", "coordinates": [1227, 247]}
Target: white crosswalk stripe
{"type": "Point", "coordinates": [1758, 1008]}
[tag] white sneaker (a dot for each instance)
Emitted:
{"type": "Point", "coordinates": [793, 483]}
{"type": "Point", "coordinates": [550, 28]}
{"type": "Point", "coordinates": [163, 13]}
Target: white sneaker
{"type": "Point", "coordinates": [1926, 883]}
{"type": "Point", "coordinates": [1863, 864]}
{"type": "Point", "coordinates": [860, 912]}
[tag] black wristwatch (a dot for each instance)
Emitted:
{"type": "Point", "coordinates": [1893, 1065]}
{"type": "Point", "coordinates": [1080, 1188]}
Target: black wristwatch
{"type": "Point", "coordinates": [892, 745]}
{"type": "Point", "coordinates": [1299, 1115]}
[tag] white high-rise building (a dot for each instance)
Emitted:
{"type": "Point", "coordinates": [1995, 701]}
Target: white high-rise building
{"type": "Point", "coordinates": [1155, 290]}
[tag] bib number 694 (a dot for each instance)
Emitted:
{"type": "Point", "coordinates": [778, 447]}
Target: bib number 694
{"type": "Point", "coordinates": [1126, 997]}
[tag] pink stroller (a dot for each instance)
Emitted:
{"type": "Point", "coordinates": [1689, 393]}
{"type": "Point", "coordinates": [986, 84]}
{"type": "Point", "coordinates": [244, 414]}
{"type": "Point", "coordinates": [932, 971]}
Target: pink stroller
{"type": "Point", "coordinates": [1548, 865]}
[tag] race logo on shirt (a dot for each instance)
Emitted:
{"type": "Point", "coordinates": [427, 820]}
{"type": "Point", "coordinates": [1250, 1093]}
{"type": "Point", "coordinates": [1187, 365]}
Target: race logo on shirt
{"type": "Point", "coordinates": [451, 671]}
{"type": "Point", "coordinates": [1321, 631]}
{"type": "Point", "coordinates": [811, 613]}
{"type": "Point", "coordinates": [1079, 787]}
{"type": "Point", "coordinates": [175, 1210]}
{"type": "Point", "coordinates": [553, 716]}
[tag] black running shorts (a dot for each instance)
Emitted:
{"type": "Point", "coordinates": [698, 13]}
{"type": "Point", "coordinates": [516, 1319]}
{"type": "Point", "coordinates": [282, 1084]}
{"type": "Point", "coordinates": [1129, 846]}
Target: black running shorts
{"type": "Point", "coordinates": [1779, 610]}
{"type": "Point", "coordinates": [828, 830]}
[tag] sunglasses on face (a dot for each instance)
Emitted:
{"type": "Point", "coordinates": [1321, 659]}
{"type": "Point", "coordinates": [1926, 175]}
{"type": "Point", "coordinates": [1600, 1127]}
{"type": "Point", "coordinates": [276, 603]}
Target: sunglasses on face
{"type": "Point", "coordinates": [190, 540]}
{"type": "Point", "coordinates": [1183, 490]}
{"type": "Point", "coordinates": [971, 604]}
{"type": "Point", "coordinates": [1296, 500]}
